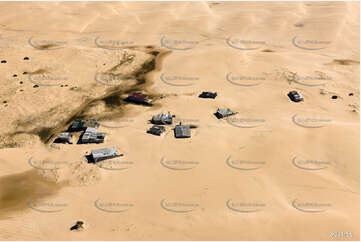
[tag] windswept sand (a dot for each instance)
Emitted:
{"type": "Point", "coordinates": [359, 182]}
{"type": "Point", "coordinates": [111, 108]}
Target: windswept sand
{"type": "Point", "coordinates": [277, 170]}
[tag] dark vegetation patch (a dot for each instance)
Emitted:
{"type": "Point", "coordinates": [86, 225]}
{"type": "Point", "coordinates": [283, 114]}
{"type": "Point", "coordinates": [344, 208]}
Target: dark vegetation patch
{"type": "Point", "coordinates": [17, 190]}
{"type": "Point", "coordinates": [155, 53]}
{"type": "Point", "coordinates": [39, 71]}
{"type": "Point", "coordinates": [47, 46]}
{"type": "Point", "coordinates": [345, 62]}
{"type": "Point", "coordinates": [112, 99]}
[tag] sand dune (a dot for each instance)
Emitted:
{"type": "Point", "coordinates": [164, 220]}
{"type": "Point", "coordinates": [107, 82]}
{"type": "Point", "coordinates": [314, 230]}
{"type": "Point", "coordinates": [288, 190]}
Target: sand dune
{"type": "Point", "coordinates": [277, 170]}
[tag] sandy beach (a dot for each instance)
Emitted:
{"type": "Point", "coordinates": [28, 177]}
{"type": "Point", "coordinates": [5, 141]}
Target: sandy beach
{"type": "Point", "coordinates": [275, 170]}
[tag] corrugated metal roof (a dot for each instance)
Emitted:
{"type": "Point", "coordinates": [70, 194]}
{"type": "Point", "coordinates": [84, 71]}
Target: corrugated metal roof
{"type": "Point", "coordinates": [77, 124]}
{"type": "Point", "coordinates": [182, 131]}
{"type": "Point", "coordinates": [156, 129]}
{"type": "Point", "coordinates": [162, 118]}
{"type": "Point", "coordinates": [105, 152]}
{"type": "Point", "coordinates": [92, 136]}
{"type": "Point", "coordinates": [91, 123]}
{"type": "Point", "coordinates": [138, 95]}
{"type": "Point", "coordinates": [224, 112]}
{"type": "Point", "coordinates": [91, 130]}
{"type": "Point", "coordinates": [65, 135]}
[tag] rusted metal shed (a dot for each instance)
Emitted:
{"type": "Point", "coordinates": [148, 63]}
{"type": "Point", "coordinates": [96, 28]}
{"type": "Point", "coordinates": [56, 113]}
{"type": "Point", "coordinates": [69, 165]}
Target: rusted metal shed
{"type": "Point", "coordinates": [138, 98]}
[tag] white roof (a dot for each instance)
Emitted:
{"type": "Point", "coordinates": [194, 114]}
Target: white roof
{"type": "Point", "coordinates": [104, 152]}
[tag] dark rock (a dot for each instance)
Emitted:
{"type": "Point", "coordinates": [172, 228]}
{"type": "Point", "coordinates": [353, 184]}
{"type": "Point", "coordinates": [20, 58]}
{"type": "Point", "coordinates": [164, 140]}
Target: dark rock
{"type": "Point", "coordinates": [35, 86]}
{"type": "Point", "coordinates": [3, 61]}
{"type": "Point", "coordinates": [77, 226]}
{"type": "Point", "coordinates": [350, 94]}
{"type": "Point", "coordinates": [5, 101]}
{"type": "Point", "coordinates": [21, 82]}
{"type": "Point", "coordinates": [334, 97]}
{"type": "Point", "coordinates": [15, 75]}
{"type": "Point", "coordinates": [24, 73]}
{"type": "Point", "coordinates": [26, 58]}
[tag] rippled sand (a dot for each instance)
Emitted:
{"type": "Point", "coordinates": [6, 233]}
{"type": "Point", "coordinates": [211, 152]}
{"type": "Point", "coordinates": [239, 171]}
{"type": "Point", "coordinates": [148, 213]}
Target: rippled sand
{"type": "Point", "coordinates": [276, 170]}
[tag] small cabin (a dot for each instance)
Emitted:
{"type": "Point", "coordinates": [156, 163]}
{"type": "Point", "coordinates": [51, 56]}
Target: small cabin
{"type": "Point", "coordinates": [91, 136]}
{"type": "Point", "coordinates": [138, 98]}
{"type": "Point", "coordinates": [91, 124]}
{"type": "Point", "coordinates": [212, 95]}
{"type": "Point", "coordinates": [80, 125]}
{"type": "Point", "coordinates": [103, 154]}
{"type": "Point", "coordinates": [76, 126]}
{"type": "Point", "coordinates": [223, 112]}
{"type": "Point", "coordinates": [182, 131]}
{"type": "Point", "coordinates": [162, 118]}
{"type": "Point", "coordinates": [156, 130]}
{"type": "Point", "coordinates": [64, 137]}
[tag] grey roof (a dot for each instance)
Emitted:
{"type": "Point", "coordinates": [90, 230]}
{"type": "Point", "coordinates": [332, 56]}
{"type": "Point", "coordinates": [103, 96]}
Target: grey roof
{"type": "Point", "coordinates": [91, 130]}
{"type": "Point", "coordinates": [91, 123]}
{"type": "Point", "coordinates": [182, 131]}
{"type": "Point", "coordinates": [77, 124]}
{"type": "Point", "coordinates": [81, 125]}
{"type": "Point", "coordinates": [162, 118]}
{"type": "Point", "coordinates": [92, 136]}
{"type": "Point", "coordinates": [156, 130]}
{"type": "Point", "coordinates": [224, 112]}
{"type": "Point", "coordinates": [104, 153]}
{"type": "Point", "coordinates": [65, 135]}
